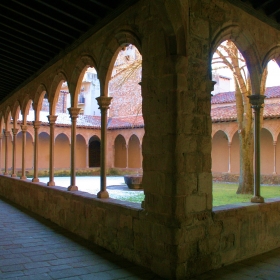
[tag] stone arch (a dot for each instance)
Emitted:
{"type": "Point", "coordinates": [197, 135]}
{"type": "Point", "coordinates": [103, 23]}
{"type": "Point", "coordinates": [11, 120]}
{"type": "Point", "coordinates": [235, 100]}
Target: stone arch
{"type": "Point", "coordinates": [77, 77]}
{"type": "Point", "coordinates": [80, 151]}
{"type": "Point", "coordinates": [62, 151]}
{"type": "Point", "coordinates": [55, 90]}
{"type": "Point", "coordinates": [7, 117]}
{"type": "Point", "coordinates": [38, 100]}
{"type": "Point", "coordinates": [44, 149]}
{"type": "Point", "coordinates": [267, 151]}
{"type": "Point", "coordinates": [134, 158]}
{"type": "Point", "coordinates": [120, 152]}
{"type": "Point", "coordinates": [15, 113]}
{"type": "Point", "coordinates": [94, 145]}
{"type": "Point", "coordinates": [273, 53]}
{"type": "Point", "coordinates": [220, 152]}
{"type": "Point", "coordinates": [26, 104]}
{"type": "Point", "coordinates": [28, 150]}
{"type": "Point", "coordinates": [246, 45]}
{"type": "Point", "coordinates": [121, 38]}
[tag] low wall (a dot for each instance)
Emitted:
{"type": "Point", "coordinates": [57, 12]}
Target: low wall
{"type": "Point", "coordinates": [200, 242]}
{"type": "Point", "coordinates": [230, 177]}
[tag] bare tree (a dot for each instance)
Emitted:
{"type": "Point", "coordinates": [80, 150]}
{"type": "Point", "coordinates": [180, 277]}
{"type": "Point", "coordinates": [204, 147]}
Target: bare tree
{"type": "Point", "coordinates": [228, 56]}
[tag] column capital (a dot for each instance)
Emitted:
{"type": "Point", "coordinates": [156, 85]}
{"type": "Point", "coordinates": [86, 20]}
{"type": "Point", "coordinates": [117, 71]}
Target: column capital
{"type": "Point", "coordinates": [274, 143]}
{"type": "Point", "coordinates": [256, 100]}
{"type": "Point", "coordinates": [52, 119]}
{"type": "Point", "coordinates": [15, 131]}
{"type": "Point", "coordinates": [36, 124]}
{"type": "Point", "coordinates": [23, 127]}
{"type": "Point", "coordinates": [74, 112]}
{"type": "Point", "coordinates": [104, 102]}
{"type": "Point", "coordinates": [7, 133]}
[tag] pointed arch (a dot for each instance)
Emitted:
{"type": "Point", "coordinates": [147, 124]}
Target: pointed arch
{"type": "Point", "coordinates": [120, 152]}
{"type": "Point", "coordinates": [38, 100]}
{"type": "Point", "coordinates": [134, 158]}
{"type": "Point", "coordinates": [246, 45]}
{"type": "Point", "coordinates": [77, 77]}
{"type": "Point", "coordinates": [54, 92]}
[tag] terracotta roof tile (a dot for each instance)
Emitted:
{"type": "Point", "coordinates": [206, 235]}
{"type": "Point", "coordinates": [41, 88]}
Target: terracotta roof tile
{"type": "Point", "coordinates": [228, 97]}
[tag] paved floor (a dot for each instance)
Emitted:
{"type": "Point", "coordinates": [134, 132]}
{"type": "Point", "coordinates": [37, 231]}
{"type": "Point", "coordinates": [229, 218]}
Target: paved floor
{"type": "Point", "coordinates": [33, 248]}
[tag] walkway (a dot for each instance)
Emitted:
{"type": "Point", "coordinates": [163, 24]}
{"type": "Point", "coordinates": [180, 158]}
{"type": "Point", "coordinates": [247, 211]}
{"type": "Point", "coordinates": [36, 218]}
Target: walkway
{"type": "Point", "coordinates": [34, 248]}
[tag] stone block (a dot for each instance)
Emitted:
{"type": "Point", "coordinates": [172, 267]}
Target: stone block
{"type": "Point", "coordinates": [195, 203]}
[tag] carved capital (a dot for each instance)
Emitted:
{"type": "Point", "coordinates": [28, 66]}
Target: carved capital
{"type": "Point", "coordinates": [23, 128]}
{"type": "Point", "coordinates": [15, 131]}
{"type": "Point", "coordinates": [74, 112]}
{"type": "Point", "coordinates": [6, 133]}
{"type": "Point", "coordinates": [52, 119]}
{"type": "Point", "coordinates": [256, 101]}
{"type": "Point", "coordinates": [36, 124]}
{"type": "Point", "coordinates": [104, 102]}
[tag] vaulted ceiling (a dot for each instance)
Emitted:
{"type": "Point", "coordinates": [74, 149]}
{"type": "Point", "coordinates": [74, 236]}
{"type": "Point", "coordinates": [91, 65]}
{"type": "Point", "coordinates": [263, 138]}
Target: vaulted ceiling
{"type": "Point", "coordinates": [35, 33]}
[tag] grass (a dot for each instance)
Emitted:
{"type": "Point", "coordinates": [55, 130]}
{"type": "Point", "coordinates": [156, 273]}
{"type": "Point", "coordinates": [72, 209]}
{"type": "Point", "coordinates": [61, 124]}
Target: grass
{"type": "Point", "coordinates": [223, 194]}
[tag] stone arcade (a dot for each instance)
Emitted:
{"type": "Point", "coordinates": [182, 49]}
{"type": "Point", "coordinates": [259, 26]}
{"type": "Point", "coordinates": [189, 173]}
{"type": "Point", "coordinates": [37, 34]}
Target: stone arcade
{"type": "Point", "coordinates": [176, 233]}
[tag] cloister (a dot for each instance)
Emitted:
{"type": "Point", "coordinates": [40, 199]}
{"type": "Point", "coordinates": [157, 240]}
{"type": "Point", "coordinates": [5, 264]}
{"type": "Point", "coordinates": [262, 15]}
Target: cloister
{"type": "Point", "coordinates": [176, 232]}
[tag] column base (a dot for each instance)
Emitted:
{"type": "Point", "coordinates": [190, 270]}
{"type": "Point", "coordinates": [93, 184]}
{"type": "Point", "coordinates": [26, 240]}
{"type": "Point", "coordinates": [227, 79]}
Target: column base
{"type": "Point", "coordinates": [257, 199]}
{"type": "Point", "coordinates": [72, 188]}
{"type": "Point", "coordinates": [36, 180]}
{"type": "Point", "coordinates": [51, 183]}
{"type": "Point", "coordinates": [14, 175]}
{"type": "Point", "coordinates": [103, 194]}
{"type": "Point", "coordinates": [23, 177]}
{"type": "Point", "coordinates": [6, 173]}
{"type": "Point", "coordinates": [274, 173]}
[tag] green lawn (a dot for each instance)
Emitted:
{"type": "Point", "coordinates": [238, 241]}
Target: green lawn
{"type": "Point", "coordinates": [223, 193]}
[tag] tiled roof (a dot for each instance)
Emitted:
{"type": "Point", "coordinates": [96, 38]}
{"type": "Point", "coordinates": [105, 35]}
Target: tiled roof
{"type": "Point", "coordinates": [126, 122]}
{"type": "Point", "coordinates": [229, 97]}
{"type": "Point", "coordinates": [228, 113]}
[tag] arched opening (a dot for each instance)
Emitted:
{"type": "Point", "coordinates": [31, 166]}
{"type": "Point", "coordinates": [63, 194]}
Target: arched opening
{"type": "Point", "coordinates": [94, 152]}
{"type": "Point", "coordinates": [231, 105]}
{"type": "Point", "coordinates": [28, 151]}
{"type": "Point", "coordinates": [267, 152]}
{"type": "Point", "coordinates": [44, 150]}
{"type": "Point", "coordinates": [62, 151]}
{"type": "Point", "coordinates": [120, 152]}
{"type": "Point", "coordinates": [134, 152]}
{"type": "Point", "coordinates": [220, 152]}
{"type": "Point", "coordinates": [80, 151]}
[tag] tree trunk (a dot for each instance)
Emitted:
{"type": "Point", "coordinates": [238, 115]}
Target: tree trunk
{"type": "Point", "coordinates": [246, 178]}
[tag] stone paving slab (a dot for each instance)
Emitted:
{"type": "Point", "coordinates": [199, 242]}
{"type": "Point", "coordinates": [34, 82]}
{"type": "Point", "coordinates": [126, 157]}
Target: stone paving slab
{"type": "Point", "coordinates": [34, 248]}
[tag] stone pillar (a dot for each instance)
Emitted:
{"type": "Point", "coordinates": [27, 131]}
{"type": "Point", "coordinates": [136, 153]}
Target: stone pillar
{"type": "Point", "coordinates": [23, 129]}
{"type": "Point", "coordinates": [229, 157]}
{"type": "Point", "coordinates": [256, 103]}
{"type": "Point", "coordinates": [126, 149]}
{"type": "Point", "coordinates": [87, 157]}
{"type": "Point", "coordinates": [52, 119]}
{"type": "Point", "coordinates": [7, 134]}
{"type": "Point", "coordinates": [36, 125]}
{"type": "Point", "coordinates": [274, 161]}
{"type": "Point", "coordinates": [104, 104]}
{"type": "Point", "coordinates": [15, 131]}
{"type": "Point", "coordinates": [114, 154]}
{"type": "Point", "coordinates": [140, 150]}
{"type": "Point", "coordinates": [1, 137]}
{"type": "Point", "coordinates": [74, 112]}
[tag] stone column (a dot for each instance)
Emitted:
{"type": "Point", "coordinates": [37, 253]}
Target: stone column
{"type": "Point", "coordinates": [1, 137]}
{"type": "Point", "coordinates": [229, 157]}
{"type": "Point", "coordinates": [7, 134]}
{"type": "Point", "coordinates": [87, 157]}
{"type": "Point", "coordinates": [256, 103]}
{"type": "Point", "coordinates": [104, 104]}
{"type": "Point", "coordinates": [126, 149]}
{"type": "Point", "coordinates": [274, 161]}
{"type": "Point", "coordinates": [15, 131]}
{"type": "Point", "coordinates": [140, 150]}
{"type": "Point", "coordinates": [74, 112]}
{"type": "Point", "coordinates": [23, 129]}
{"type": "Point", "coordinates": [36, 125]}
{"type": "Point", "coordinates": [52, 119]}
